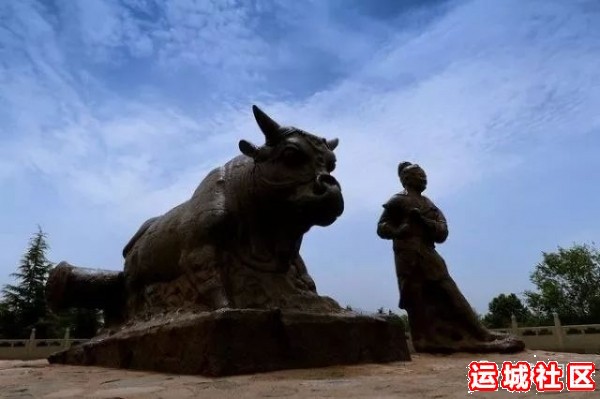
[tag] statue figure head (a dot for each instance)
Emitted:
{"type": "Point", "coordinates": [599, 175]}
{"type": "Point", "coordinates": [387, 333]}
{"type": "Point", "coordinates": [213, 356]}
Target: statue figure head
{"type": "Point", "coordinates": [412, 176]}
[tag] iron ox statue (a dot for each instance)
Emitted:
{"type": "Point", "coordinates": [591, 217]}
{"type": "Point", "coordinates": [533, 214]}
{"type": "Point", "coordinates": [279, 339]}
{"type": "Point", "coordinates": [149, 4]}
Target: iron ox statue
{"type": "Point", "coordinates": [236, 242]}
{"type": "Point", "coordinates": [217, 285]}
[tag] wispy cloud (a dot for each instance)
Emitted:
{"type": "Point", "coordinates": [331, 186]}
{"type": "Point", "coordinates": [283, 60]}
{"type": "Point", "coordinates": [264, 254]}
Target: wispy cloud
{"type": "Point", "coordinates": [127, 105]}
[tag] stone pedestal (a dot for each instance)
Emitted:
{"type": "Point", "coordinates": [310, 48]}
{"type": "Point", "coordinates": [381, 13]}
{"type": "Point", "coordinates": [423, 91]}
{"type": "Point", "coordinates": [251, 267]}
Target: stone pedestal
{"type": "Point", "coordinates": [234, 341]}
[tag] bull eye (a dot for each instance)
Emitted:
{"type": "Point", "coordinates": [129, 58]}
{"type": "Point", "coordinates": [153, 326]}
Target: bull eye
{"type": "Point", "coordinates": [293, 156]}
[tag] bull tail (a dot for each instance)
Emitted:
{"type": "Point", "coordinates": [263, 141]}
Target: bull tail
{"type": "Point", "coordinates": [138, 234]}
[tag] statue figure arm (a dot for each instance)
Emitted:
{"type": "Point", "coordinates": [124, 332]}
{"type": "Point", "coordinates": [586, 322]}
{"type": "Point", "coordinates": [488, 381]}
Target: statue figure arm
{"type": "Point", "coordinates": [436, 225]}
{"type": "Point", "coordinates": [387, 228]}
{"type": "Point", "coordinates": [384, 229]}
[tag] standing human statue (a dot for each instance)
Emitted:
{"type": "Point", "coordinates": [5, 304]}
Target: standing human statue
{"type": "Point", "coordinates": [441, 319]}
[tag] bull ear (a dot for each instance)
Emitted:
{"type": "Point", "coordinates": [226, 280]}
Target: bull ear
{"type": "Point", "coordinates": [333, 143]}
{"type": "Point", "coordinates": [248, 149]}
{"type": "Point", "coordinates": [269, 127]}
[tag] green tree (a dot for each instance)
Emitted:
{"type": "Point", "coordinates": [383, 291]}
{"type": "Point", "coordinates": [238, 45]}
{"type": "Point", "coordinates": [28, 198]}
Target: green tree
{"type": "Point", "coordinates": [83, 323]}
{"type": "Point", "coordinates": [568, 283]}
{"type": "Point", "coordinates": [404, 318]}
{"type": "Point", "coordinates": [24, 304]}
{"type": "Point", "coordinates": [8, 322]}
{"type": "Point", "coordinates": [24, 307]}
{"type": "Point", "coordinates": [502, 307]}
{"type": "Point", "coordinates": [394, 318]}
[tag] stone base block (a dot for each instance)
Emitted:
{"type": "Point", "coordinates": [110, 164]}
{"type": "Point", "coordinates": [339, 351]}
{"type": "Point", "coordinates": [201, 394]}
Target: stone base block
{"type": "Point", "coordinates": [234, 341]}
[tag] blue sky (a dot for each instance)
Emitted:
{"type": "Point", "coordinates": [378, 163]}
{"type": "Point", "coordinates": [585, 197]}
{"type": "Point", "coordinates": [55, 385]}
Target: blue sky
{"type": "Point", "coordinates": [112, 112]}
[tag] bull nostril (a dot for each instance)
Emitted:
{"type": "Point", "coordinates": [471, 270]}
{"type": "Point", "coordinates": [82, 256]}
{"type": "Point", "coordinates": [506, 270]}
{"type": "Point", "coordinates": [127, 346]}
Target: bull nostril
{"type": "Point", "coordinates": [326, 180]}
{"type": "Point", "coordinates": [319, 189]}
{"type": "Point", "coordinates": [323, 183]}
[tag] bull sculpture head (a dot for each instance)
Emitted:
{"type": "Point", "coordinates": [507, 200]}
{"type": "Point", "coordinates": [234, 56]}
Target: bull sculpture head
{"type": "Point", "coordinates": [295, 167]}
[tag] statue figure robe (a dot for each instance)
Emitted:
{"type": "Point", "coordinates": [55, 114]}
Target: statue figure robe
{"type": "Point", "coordinates": [441, 319]}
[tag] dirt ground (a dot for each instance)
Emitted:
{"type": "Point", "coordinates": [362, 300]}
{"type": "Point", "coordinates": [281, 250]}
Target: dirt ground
{"type": "Point", "coordinates": [427, 376]}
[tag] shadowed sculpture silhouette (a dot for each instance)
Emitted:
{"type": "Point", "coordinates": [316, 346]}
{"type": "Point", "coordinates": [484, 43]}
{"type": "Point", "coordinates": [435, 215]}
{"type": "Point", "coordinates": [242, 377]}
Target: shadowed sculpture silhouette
{"type": "Point", "coordinates": [440, 318]}
{"type": "Point", "coordinates": [217, 285]}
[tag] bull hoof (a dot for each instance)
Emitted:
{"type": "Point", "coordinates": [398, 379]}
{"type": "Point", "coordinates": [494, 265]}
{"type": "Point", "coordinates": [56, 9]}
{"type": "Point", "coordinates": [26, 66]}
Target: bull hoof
{"type": "Point", "coordinates": [220, 300]}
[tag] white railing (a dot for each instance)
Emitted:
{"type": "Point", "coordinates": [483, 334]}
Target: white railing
{"type": "Point", "coordinates": [581, 338]}
{"type": "Point", "coordinates": [584, 338]}
{"type": "Point", "coordinates": [32, 348]}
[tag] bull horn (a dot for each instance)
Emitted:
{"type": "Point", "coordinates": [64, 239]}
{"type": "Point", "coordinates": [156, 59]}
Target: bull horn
{"type": "Point", "coordinates": [333, 143]}
{"type": "Point", "coordinates": [269, 127]}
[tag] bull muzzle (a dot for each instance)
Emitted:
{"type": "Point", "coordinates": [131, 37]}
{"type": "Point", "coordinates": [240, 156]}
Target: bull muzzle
{"type": "Point", "coordinates": [328, 200]}
{"type": "Point", "coordinates": [325, 183]}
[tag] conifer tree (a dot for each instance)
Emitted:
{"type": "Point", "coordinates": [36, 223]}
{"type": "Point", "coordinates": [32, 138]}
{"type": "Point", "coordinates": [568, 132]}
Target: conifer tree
{"type": "Point", "coordinates": [24, 303]}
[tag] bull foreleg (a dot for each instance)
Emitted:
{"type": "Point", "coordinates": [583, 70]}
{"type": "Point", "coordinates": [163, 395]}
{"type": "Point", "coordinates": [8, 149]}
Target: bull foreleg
{"type": "Point", "coordinates": [205, 271]}
{"type": "Point", "coordinates": [301, 275]}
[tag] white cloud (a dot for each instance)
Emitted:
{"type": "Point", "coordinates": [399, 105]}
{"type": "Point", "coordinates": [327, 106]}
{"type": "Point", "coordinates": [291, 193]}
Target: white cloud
{"type": "Point", "coordinates": [204, 34]}
{"type": "Point", "coordinates": [452, 121]}
{"type": "Point", "coordinates": [456, 98]}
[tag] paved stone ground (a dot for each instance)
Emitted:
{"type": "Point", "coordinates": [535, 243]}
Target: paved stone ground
{"type": "Point", "coordinates": [427, 376]}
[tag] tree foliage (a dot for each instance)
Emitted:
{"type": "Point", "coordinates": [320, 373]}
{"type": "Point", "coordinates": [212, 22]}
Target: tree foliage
{"type": "Point", "coordinates": [502, 307]}
{"type": "Point", "coordinates": [83, 323]}
{"type": "Point", "coordinates": [24, 303]}
{"type": "Point", "coordinates": [568, 283]}
{"type": "Point", "coordinates": [395, 318]}
{"type": "Point", "coordinates": [24, 306]}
